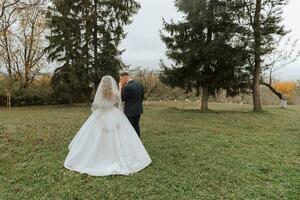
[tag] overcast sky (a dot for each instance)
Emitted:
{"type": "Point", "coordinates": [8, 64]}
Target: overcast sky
{"type": "Point", "coordinates": [144, 47]}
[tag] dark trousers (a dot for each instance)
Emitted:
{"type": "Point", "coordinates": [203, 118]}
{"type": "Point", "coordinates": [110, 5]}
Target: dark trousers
{"type": "Point", "coordinates": [135, 122]}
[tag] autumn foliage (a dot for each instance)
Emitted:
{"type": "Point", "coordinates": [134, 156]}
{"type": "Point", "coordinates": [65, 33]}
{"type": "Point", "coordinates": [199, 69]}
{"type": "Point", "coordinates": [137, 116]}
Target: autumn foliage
{"type": "Point", "coordinates": [287, 88]}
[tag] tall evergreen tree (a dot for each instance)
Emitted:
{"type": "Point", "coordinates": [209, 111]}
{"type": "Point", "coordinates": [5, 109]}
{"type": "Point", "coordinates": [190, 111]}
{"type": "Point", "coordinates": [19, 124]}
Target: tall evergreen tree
{"type": "Point", "coordinates": [205, 49]}
{"type": "Point", "coordinates": [84, 39]}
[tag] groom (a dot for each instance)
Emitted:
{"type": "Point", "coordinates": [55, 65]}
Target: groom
{"type": "Point", "coordinates": [132, 95]}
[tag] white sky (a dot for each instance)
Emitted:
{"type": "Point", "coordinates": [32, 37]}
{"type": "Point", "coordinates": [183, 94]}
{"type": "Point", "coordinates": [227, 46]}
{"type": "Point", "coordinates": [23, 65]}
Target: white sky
{"type": "Point", "coordinates": [145, 48]}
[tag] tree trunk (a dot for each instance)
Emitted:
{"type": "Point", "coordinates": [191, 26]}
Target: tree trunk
{"type": "Point", "coordinates": [270, 76]}
{"type": "Point", "coordinates": [70, 100]}
{"type": "Point", "coordinates": [280, 96]}
{"type": "Point", "coordinates": [9, 67]}
{"type": "Point", "coordinates": [205, 93]}
{"type": "Point", "coordinates": [7, 52]}
{"type": "Point", "coordinates": [204, 99]}
{"type": "Point", "coordinates": [283, 103]}
{"type": "Point", "coordinates": [26, 74]}
{"type": "Point", "coordinates": [8, 98]}
{"type": "Point", "coordinates": [283, 100]}
{"type": "Point", "coordinates": [95, 34]}
{"type": "Point", "coordinates": [257, 55]}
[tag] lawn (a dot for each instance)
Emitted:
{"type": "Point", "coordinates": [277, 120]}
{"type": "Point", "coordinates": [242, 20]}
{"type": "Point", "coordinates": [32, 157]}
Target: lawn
{"type": "Point", "coordinates": [229, 152]}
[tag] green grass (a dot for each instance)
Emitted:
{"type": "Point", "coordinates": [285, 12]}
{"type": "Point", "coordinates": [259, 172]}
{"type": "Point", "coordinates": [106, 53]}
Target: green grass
{"type": "Point", "coordinates": [227, 153]}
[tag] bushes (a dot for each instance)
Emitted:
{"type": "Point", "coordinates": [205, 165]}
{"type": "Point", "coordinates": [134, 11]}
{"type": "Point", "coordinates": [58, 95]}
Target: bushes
{"type": "Point", "coordinates": [34, 95]}
{"type": "Point", "coordinates": [37, 94]}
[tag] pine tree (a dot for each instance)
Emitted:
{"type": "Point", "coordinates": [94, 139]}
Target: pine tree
{"type": "Point", "coordinates": [205, 49]}
{"type": "Point", "coordinates": [84, 39]}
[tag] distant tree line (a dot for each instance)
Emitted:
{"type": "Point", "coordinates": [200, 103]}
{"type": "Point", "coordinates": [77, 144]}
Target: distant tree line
{"type": "Point", "coordinates": [41, 92]}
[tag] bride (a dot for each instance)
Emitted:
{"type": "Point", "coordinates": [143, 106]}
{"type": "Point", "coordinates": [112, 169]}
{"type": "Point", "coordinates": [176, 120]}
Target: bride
{"type": "Point", "coordinates": [107, 144]}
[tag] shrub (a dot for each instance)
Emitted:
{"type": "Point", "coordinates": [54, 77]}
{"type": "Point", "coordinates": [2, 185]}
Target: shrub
{"type": "Point", "coordinates": [36, 94]}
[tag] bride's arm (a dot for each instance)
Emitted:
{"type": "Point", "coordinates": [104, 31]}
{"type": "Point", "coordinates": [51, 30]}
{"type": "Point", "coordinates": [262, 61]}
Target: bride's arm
{"type": "Point", "coordinates": [118, 100]}
{"type": "Point", "coordinates": [116, 96]}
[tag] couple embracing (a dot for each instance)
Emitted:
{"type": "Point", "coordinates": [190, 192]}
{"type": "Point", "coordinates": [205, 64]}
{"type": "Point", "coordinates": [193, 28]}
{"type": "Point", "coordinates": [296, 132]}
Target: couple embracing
{"type": "Point", "coordinates": [109, 142]}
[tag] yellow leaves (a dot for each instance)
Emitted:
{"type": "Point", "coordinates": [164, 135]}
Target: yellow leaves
{"type": "Point", "coordinates": [2, 77]}
{"type": "Point", "coordinates": [287, 88]}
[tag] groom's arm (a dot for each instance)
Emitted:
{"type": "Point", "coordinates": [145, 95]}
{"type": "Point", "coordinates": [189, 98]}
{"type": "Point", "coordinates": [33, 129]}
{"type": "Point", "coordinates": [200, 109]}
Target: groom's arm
{"type": "Point", "coordinates": [124, 93]}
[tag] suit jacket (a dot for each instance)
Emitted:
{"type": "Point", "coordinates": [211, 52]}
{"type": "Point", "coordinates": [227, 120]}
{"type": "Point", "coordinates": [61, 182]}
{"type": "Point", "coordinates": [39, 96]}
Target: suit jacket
{"type": "Point", "coordinates": [133, 95]}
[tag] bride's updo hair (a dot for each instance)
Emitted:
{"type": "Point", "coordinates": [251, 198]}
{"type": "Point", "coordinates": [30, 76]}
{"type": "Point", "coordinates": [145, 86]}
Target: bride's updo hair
{"type": "Point", "coordinates": [106, 88]}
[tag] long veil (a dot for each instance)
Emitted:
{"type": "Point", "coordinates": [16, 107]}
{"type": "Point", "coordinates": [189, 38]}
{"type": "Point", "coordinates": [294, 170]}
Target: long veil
{"type": "Point", "coordinates": [107, 94]}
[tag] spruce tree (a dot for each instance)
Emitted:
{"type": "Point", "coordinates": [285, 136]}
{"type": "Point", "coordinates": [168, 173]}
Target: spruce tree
{"type": "Point", "coordinates": [84, 40]}
{"type": "Point", "coordinates": [205, 49]}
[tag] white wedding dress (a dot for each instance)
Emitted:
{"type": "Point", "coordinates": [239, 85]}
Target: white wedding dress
{"type": "Point", "coordinates": [107, 144]}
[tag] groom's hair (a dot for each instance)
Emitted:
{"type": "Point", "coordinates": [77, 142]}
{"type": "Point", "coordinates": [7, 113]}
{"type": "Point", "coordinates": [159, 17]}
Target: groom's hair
{"type": "Point", "coordinates": [124, 74]}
